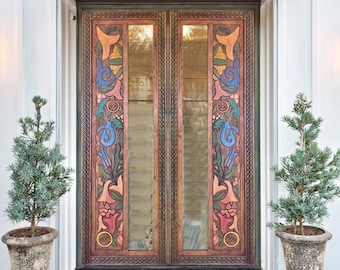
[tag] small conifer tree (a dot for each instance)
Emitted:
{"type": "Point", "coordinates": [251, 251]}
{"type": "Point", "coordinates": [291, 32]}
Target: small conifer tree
{"type": "Point", "coordinates": [38, 177]}
{"type": "Point", "coordinates": [308, 174]}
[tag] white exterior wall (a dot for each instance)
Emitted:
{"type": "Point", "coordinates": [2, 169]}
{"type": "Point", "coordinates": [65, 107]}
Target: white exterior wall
{"type": "Point", "coordinates": [27, 68]}
{"type": "Point", "coordinates": [326, 93]}
{"type": "Point", "coordinates": [11, 102]}
{"type": "Point", "coordinates": [300, 51]}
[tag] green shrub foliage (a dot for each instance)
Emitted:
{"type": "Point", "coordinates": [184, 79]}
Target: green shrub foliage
{"type": "Point", "coordinates": [38, 177]}
{"type": "Point", "coordinates": [308, 174]}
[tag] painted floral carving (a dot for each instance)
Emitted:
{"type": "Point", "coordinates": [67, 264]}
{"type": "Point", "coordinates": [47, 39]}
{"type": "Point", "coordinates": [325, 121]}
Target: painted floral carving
{"type": "Point", "coordinates": [110, 136]}
{"type": "Point", "coordinates": [226, 134]}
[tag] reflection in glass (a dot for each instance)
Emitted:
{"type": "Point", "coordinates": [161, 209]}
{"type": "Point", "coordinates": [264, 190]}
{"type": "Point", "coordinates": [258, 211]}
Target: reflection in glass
{"type": "Point", "coordinates": [140, 137]}
{"type": "Point", "coordinates": [195, 126]}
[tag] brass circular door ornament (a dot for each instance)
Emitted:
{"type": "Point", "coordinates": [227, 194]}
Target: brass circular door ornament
{"type": "Point", "coordinates": [104, 239]}
{"type": "Point", "coordinates": [231, 239]}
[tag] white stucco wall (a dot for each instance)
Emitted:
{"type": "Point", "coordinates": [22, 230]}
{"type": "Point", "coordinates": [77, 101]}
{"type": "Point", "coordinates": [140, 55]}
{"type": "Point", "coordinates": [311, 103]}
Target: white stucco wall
{"type": "Point", "coordinates": [308, 60]}
{"type": "Point", "coordinates": [326, 91]}
{"type": "Point", "coordinates": [27, 67]}
{"type": "Point", "coordinates": [10, 100]}
{"type": "Point", "coordinates": [300, 51]}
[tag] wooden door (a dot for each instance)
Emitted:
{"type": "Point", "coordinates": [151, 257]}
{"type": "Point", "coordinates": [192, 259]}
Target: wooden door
{"type": "Point", "coordinates": [168, 149]}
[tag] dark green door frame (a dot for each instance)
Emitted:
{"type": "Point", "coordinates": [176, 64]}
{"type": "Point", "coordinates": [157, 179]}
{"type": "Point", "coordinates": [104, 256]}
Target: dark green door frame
{"type": "Point", "coordinates": [173, 5]}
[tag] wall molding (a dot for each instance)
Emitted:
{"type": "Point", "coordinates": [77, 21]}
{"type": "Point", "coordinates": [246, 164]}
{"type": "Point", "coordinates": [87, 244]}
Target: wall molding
{"type": "Point", "coordinates": [268, 128]}
{"type": "Point", "coordinates": [65, 247]}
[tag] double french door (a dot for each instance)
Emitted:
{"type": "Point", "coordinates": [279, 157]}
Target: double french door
{"type": "Point", "coordinates": [167, 128]}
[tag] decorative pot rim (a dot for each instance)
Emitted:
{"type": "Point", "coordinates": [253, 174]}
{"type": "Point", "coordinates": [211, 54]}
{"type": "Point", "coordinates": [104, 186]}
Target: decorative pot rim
{"type": "Point", "coordinates": [319, 238]}
{"type": "Point", "coordinates": [29, 241]}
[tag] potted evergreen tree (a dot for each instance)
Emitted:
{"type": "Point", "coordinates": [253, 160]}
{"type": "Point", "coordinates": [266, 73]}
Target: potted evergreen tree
{"type": "Point", "coordinates": [309, 176]}
{"type": "Point", "coordinates": [38, 181]}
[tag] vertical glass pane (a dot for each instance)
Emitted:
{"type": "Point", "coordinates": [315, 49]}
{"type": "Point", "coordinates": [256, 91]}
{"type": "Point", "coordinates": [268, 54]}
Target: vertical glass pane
{"type": "Point", "coordinates": [195, 130]}
{"type": "Point", "coordinates": [140, 137]}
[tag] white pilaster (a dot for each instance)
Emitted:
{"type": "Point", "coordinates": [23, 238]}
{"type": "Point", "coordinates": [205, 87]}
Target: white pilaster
{"type": "Point", "coordinates": [27, 68]}
{"type": "Point", "coordinates": [268, 126]}
{"type": "Point", "coordinates": [11, 46]}
{"type": "Point", "coordinates": [326, 100]}
{"type": "Point", "coordinates": [67, 127]}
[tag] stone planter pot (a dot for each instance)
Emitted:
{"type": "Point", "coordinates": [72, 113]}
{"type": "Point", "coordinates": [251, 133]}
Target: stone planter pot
{"type": "Point", "coordinates": [30, 253]}
{"type": "Point", "coordinates": [304, 252]}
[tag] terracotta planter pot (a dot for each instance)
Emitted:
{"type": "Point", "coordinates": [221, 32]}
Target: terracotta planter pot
{"type": "Point", "coordinates": [30, 253]}
{"type": "Point", "coordinates": [304, 252]}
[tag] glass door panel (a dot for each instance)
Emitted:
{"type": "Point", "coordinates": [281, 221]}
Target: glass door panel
{"type": "Point", "coordinates": [140, 136]}
{"type": "Point", "coordinates": [195, 137]}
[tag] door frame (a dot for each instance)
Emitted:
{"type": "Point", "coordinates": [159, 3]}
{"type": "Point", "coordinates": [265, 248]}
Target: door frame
{"type": "Point", "coordinates": [190, 6]}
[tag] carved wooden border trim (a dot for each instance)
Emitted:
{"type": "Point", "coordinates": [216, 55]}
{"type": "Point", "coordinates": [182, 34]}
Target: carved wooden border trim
{"type": "Point", "coordinates": [86, 134]}
{"type": "Point", "coordinates": [161, 136]}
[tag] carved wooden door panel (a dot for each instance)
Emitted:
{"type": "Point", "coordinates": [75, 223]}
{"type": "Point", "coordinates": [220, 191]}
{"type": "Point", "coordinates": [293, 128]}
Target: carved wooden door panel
{"type": "Point", "coordinates": [167, 105]}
